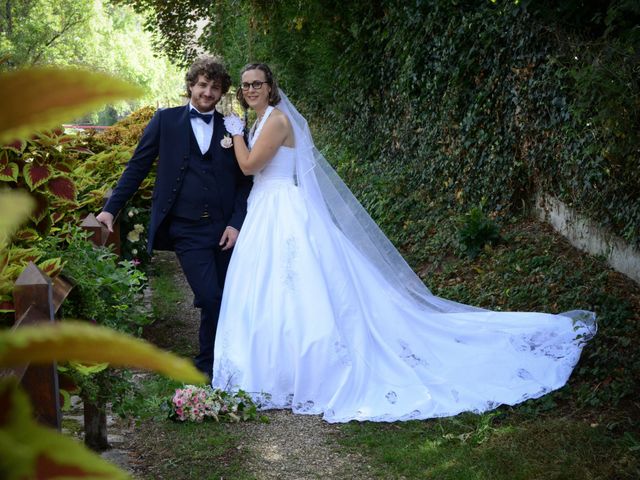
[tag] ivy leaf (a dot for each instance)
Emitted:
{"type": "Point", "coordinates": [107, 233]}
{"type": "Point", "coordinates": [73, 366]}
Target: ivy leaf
{"type": "Point", "coordinates": [39, 98]}
{"type": "Point", "coordinates": [83, 342]}
{"type": "Point", "coordinates": [36, 175]}
{"type": "Point", "coordinates": [9, 172]}
{"type": "Point", "coordinates": [63, 188]}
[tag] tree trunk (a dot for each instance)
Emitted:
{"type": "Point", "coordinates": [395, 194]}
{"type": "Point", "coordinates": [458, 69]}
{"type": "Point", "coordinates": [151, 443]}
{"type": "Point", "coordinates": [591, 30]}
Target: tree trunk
{"type": "Point", "coordinates": [9, 17]}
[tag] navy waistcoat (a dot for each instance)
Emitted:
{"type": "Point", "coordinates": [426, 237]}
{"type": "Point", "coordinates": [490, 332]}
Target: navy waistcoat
{"type": "Point", "coordinates": [199, 194]}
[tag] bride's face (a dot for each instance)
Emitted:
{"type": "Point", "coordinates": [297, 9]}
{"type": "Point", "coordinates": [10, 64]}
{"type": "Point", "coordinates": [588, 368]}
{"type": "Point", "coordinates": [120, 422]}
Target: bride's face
{"type": "Point", "coordinates": [256, 98]}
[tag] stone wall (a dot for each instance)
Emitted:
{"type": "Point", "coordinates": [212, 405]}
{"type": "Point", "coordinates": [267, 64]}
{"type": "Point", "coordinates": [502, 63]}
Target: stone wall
{"type": "Point", "coordinates": [587, 236]}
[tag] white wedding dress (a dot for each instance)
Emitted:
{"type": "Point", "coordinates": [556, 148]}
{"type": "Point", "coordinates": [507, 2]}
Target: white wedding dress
{"type": "Point", "coordinates": [309, 323]}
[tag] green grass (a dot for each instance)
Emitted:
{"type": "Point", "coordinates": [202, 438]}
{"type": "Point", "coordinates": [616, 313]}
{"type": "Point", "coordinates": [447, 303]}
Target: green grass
{"type": "Point", "coordinates": [190, 451]}
{"type": "Point", "coordinates": [170, 305]}
{"type": "Point", "coordinates": [167, 299]}
{"type": "Point", "coordinates": [484, 447]}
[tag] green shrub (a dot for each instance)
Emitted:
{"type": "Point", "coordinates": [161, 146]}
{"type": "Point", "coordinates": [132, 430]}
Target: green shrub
{"type": "Point", "coordinates": [476, 230]}
{"type": "Point", "coordinates": [107, 291]}
{"type": "Point", "coordinates": [464, 100]}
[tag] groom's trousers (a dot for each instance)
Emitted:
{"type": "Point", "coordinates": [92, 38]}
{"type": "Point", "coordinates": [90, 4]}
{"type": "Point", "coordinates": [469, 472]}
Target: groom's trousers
{"type": "Point", "coordinates": [205, 267]}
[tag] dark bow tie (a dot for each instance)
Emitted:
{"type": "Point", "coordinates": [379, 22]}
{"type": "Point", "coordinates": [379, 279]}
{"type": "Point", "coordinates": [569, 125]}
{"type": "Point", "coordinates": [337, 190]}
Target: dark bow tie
{"type": "Point", "coordinates": [204, 116]}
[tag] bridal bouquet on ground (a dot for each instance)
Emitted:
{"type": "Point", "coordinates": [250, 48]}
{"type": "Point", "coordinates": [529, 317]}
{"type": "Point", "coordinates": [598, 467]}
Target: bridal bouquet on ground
{"type": "Point", "coordinates": [197, 404]}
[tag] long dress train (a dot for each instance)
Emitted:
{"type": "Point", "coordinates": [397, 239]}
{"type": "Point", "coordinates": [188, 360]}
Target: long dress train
{"type": "Point", "coordinates": [309, 323]}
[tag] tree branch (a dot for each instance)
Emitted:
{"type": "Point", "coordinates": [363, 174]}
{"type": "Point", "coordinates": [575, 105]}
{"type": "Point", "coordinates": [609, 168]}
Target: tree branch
{"type": "Point", "coordinates": [65, 28]}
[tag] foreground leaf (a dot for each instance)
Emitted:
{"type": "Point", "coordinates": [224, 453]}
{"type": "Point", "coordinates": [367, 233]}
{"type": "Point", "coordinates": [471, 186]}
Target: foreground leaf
{"type": "Point", "coordinates": [67, 93]}
{"type": "Point", "coordinates": [15, 205]}
{"type": "Point", "coordinates": [29, 450]}
{"type": "Point", "coordinates": [83, 342]}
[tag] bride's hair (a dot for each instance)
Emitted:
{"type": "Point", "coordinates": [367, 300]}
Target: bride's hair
{"type": "Point", "coordinates": [274, 95]}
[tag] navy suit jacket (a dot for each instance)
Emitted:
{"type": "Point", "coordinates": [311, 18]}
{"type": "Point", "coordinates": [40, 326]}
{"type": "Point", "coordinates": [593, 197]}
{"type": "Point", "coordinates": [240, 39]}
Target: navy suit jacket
{"type": "Point", "coordinates": [167, 137]}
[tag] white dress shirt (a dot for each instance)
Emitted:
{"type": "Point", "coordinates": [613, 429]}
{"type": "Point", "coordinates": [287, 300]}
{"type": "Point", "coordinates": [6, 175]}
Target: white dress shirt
{"type": "Point", "coordinates": [202, 130]}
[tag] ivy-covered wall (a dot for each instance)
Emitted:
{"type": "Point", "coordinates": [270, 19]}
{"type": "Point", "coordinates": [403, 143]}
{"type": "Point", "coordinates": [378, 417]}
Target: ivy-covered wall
{"type": "Point", "coordinates": [461, 100]}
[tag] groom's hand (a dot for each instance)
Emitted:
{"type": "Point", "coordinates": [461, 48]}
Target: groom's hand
{"type": "Point", "coordinates": [106, 219]}
{"type": "Point", "coordinates": [229, 238]}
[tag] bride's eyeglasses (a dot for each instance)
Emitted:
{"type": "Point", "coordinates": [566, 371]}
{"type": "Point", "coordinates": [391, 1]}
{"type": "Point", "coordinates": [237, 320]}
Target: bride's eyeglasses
{"type": "Point", "coordinates": [256, 84]}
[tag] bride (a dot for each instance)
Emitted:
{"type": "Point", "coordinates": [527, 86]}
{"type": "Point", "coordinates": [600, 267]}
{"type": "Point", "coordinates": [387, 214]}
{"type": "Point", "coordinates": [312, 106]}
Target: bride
{"type": "Point", "coordinates": [322, 315]}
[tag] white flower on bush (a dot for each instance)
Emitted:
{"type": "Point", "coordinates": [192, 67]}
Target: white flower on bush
{"type": "Point", "coordinates": [132, 212]}
{"type": "Point", "coordinates": [134, 235]}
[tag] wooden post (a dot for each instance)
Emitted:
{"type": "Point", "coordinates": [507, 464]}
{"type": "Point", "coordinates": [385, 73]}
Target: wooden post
{"type": "Point", "coordinates": [101, 236]}
{"type": "Point", "coordinates": [33, 298]}
{"type": "Point", "coordinates": [98, 230]}
{"type": "Point", "coordinates": [95, 416]}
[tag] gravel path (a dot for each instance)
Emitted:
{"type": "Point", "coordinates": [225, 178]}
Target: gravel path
{"type": "Point", "coordinates": [298, 447]}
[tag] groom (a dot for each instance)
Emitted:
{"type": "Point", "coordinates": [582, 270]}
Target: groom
{"type": "Point", "coordinates": [200, 194]}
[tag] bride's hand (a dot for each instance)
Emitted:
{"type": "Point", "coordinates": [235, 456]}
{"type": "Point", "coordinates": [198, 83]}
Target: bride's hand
{"type": "Point", "coordinates": [234, 125]}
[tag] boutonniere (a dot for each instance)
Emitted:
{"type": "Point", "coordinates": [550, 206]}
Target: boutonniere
{"type": "Point", "coordinates": [226, 142]}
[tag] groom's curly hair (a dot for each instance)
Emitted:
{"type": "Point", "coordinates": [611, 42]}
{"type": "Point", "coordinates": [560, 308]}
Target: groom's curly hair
{"type": "Point", "coordinates": [274, 96]}
{"type": "Point", "coordinates": [212, 69]}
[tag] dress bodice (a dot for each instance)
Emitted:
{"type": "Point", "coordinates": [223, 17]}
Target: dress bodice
{"type": "Point", "coordinates": [281, 168]}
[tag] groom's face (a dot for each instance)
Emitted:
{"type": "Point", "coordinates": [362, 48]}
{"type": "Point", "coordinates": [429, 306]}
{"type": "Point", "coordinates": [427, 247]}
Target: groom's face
{"type": "Point", "coordinates": [205, 94]}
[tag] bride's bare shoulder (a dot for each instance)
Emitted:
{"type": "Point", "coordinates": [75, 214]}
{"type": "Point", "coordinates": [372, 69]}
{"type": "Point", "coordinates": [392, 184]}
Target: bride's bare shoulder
{"type": "Point", "coordinates": [280, 121]}
{"type": "Point", "coordinates": [280, 117]}
{"type": "Point", "coordinates": [284, 125]}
